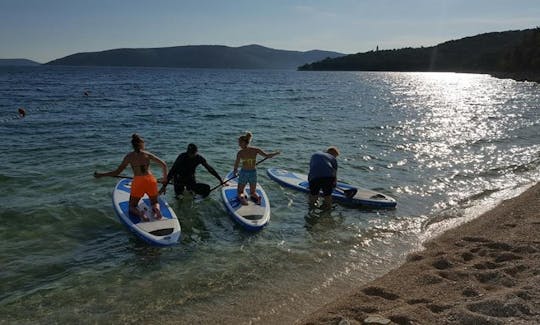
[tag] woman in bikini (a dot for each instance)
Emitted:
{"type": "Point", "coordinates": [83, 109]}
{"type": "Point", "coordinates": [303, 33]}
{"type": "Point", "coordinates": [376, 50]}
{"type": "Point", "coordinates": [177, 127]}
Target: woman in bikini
{"type": "Point", "coordinates": [143, 181]}
{"type": "Point", "coordinates": [247, 157]}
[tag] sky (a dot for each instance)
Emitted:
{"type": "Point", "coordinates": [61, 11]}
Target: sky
{"type": "Point", "coordinates": [44, 30]}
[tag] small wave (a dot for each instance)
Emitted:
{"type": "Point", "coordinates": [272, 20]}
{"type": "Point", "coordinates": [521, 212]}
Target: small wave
{"type": "Point", "coordinates": [302, 98]}
{"type": "Point", "coordinates": [215, 116]}
{"type": "Point", "coordinates": [478, 196]}
{"type": "Point", "coordinates": [9, 119]}
{"type": "Point", "coordinates": [237, 104]}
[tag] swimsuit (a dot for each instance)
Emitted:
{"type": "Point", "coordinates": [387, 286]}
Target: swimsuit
{"type": "Point", "coordinates": [247, 176]}
{"type": "Point", "coordinates": [146, 184]}
{"type": "Point", "coordinates": [249, 162]}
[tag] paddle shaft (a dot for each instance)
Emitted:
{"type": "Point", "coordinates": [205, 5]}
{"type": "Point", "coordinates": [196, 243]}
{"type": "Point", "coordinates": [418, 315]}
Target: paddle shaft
{"type": "Point", "coordinates": [123, 176]}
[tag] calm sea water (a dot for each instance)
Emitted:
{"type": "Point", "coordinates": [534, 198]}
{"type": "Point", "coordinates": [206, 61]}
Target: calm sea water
{"type": "Point", "coordinates": [446, 146]}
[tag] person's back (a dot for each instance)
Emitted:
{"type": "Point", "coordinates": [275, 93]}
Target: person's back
{"type": "Point", "coordinates": [186, 165]}
{"type": "Point", "coordinates": [323, 176]}
{"type": "Point", "coordinates": [183, 172]}
{"type": "Point", "coordinates": [322, 165]}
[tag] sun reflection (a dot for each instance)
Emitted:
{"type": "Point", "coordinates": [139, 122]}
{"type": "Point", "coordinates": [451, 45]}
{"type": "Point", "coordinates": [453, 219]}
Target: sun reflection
{"type": "Point", "coordinates": [451, 126]}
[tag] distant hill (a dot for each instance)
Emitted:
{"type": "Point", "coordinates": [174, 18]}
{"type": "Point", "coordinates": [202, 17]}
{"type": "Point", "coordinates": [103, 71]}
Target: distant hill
{"type": "Point", "coordinates": [488, 52]}
{"type": "Point", "coordinates": [17, 62]}
{"type": "Point", "coordinates": [198, 56]}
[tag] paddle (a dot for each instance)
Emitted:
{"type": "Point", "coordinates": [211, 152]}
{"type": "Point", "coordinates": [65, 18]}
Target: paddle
{"type": "Point", "coordinates": [230, 179]}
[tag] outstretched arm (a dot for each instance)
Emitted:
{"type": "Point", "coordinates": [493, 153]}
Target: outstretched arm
{"type": "Point", "coordinates": [267, 155]}
{"type": "Point", "coordinates": [115, 172]}
{"type": "Point", "coordinates": [212, 171]}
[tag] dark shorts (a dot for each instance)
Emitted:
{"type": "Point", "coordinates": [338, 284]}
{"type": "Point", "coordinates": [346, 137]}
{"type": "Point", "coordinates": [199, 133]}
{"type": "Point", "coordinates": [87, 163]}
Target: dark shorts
{"type": "Point", "coordinates": [326, 184]}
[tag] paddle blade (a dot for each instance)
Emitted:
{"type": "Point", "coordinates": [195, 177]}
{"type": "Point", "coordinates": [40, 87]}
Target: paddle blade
{"type": "Point", "coordinates": [201, 189]}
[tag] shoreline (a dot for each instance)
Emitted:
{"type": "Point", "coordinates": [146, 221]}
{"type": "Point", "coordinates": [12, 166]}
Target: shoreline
{"type": "Point", "coordinates": [518, 76]}
{"type": "Point", "coordinates": [485, 271]}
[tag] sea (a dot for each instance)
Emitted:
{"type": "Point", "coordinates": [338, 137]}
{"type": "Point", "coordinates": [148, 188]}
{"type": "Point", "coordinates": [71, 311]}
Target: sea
{"type": "Point", "coordinates": [446, 146]}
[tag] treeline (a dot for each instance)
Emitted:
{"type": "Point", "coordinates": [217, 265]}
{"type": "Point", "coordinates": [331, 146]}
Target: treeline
{"type": "Point", "coordinates": [526, 56]}
{"type": "Point", "coordinates": [491, 52]}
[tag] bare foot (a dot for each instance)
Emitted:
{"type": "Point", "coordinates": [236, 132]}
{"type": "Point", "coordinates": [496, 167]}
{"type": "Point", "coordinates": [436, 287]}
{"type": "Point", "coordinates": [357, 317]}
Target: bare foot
{"type": "Point", "coordinates": [157, 213]}
{"type": "Point", "coordinates": [143, 216]}
{"type": "Point", "coordinates": [243, 200]}
{"type": "Point", "coordinates": [256, 198]}
{"type": "Point", "coordinates": [139, 214]}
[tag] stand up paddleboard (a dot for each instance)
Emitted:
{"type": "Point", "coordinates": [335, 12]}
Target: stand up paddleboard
{"type": "Point", "coordinates": [158, 232]}
{"type": "Point", "coordinates": [251, 217]}
{"type": "Point", "coordinates": [363, 197]}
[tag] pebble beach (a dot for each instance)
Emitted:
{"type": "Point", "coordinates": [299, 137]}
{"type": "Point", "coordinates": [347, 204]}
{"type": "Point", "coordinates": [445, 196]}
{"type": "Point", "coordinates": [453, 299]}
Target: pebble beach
{"type": "Point", "coordinates": [486, 271]}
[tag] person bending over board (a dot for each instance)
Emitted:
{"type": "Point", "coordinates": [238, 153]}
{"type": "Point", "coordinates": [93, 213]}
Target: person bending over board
{"type": "Point", "coordinates": [322, 175]}
{"type": "Point", "coordinates": [247, 157]}
{"type": "Point", "coordinates": [143, 181]}
{"type": "Point", "coordinates": [183, 173]}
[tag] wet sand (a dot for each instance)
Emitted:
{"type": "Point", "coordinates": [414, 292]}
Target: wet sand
{"type": "Point", "coordinates": [486, 271]}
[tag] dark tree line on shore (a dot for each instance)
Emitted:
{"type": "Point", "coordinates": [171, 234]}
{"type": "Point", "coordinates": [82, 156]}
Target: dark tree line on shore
{"type": "Point", "coordinates": [526, 56]}
{"type": "Point", "coordinates": [492, 52]}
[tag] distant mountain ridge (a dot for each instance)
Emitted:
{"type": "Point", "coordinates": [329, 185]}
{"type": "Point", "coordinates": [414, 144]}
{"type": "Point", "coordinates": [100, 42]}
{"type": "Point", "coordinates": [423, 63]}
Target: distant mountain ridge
{"type": "Point", "coordinates": [18, 62]}
{"type": "Point", "coordinates": [198, 56]}
{"type": "Point", "coordinates": [489, 52]}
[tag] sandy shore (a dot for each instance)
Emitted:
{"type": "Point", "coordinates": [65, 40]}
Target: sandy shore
{"type": "Point", "coordinates": [486, 271]}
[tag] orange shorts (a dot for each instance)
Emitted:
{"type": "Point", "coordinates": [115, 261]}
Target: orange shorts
{"type": "Point", "coordinates": [146, 184]}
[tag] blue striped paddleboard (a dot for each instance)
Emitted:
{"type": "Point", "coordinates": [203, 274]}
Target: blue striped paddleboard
{"type": "Point", "coordinates": [363, 197]}
{"type": "Point", "coordinates": [252, 217]}
{"type": "Point", "coordinates": [158, 232]}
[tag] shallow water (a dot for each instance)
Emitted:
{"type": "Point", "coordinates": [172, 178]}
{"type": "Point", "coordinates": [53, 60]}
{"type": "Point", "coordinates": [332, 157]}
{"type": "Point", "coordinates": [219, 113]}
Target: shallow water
{"type": "Point", "coordinates": [446, 146]}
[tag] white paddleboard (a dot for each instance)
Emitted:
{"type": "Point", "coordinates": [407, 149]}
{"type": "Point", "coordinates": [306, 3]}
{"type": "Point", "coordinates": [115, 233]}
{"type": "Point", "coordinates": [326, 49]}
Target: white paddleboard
{"type": "Point", "coordinates": [363, 197]}
{"type": "Point", "coordinates": [159, 232]}
{"type": "Point", "coordinates": [251, 217]}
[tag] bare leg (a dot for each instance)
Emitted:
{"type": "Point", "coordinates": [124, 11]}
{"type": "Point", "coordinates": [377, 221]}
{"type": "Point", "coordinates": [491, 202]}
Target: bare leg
{"type": "Point", "coordinates": [313, 200]}
{"type": "Point", "coordinates": [133, 203]}
{"type": "Point", "coordinates": [241, 197]}
{"type": "Point", "coordinates": [253, 193]}
{"type": "Point", "coordinates": [327, 202]}
{"type": "Point", "coordinates": [155, 207]}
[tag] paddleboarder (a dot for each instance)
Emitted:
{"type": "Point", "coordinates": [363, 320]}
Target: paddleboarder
{"type": "Point", "coordinates": [322, 175]}
{"type": "Point", "coordinates": [247, 158]}
{"type": "Point", "coordinates": [143, 181]}
{"type": "Point", "coordinates": [183, 173]}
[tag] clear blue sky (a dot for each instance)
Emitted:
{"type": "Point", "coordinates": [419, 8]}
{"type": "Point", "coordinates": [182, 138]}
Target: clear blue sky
{"type": "Point", "coordinates": [43, 30]}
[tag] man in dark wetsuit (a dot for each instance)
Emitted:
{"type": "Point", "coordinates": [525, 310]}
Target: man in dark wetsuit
{"type": "Point", "coordinates": [183, 172]}
{"type": "Point", "coordinates": [323, 168]}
